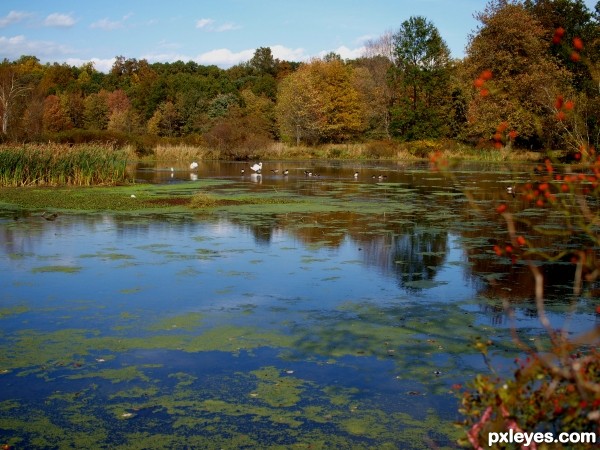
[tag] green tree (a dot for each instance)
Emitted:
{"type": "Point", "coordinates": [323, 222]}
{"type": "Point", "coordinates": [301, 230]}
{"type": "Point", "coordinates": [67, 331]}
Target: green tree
{"type": "Point", "coordinates": [221, 104]}
{"type": "Point", "coordinates": [263, 63]}
{"type": "Point", "coordinates": [422, 61]}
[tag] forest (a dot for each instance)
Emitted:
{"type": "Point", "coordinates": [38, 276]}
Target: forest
{"type": "Point", "coordinates": [529, 81]}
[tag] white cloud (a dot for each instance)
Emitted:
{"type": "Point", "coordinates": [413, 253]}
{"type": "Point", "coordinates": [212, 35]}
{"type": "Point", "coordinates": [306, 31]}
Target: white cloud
{"type": "Point", "coordinates": [209, 25]}
{"type": "Point", "coordinates": [204, 23]}
{"type": "Point", "coordinates": [16, 46]}
{"type": "Point", "coordinates": [110, 25]}
{"type": "Point", "coordinates": [224, 57]}
{"type": "Point", "coordinates": [227, 27]}
{"type": "Point", "coordinates": [166, 57]}
{"type": "Point", "coordinates": [345, 52]}
{"type": "Point", "coordinates": [59, 20]}
{"type": "Point", "coordinates": [102, 65]}
{"type": "Point", "coordinates": [13, 17]}
{"type": "Point", "coordinates": [107, 25]}
{"type": "Point", "coordinates": [287, 54]}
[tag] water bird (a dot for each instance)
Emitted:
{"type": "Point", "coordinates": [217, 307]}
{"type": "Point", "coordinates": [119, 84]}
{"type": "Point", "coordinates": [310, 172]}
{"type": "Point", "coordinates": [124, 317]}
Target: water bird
{"type": "Point", "coordinates": [50, 217]}
{"type": "Point", "coordinates": [274, 170]}
{"type": "Point", "coordinates": [242, 171]}
{"type": "Point", "coordinates": [257, 167]}
{"type": "Point", "coordinates": [286, 173]}
{"type": "Point", "coordinates": [356, 174]}
{"type": "Point", "coordinates": [512, 190]}
{"type": "Point", "coordinates": [308, 173]}
{"type": "Point", "coordinates": [194, 165]}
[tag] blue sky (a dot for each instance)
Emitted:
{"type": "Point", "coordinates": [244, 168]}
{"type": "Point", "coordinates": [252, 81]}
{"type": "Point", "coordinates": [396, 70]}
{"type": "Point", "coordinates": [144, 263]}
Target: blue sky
{"type": "Point", "coordinates": [220, 32]}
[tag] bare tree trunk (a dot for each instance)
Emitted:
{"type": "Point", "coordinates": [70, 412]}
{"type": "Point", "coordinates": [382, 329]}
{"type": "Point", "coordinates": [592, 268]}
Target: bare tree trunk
{"type": "Point", "coordinates": [4, 118]}
{"type": "Point", "coordinates": [10, 89]}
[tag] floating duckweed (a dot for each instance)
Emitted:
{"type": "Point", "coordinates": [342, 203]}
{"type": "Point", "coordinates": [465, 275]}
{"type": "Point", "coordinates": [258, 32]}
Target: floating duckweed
{"type": "Point", "coordinates": [189, 321]}
{"type": "Point", "coordinates": [57, 268]}
{"type": "Point", "coordinates": [124, 374]}
{"type": "Point", "coordinates": [13, 311]}
{"type": "Point", "coordinates": [276, 390]}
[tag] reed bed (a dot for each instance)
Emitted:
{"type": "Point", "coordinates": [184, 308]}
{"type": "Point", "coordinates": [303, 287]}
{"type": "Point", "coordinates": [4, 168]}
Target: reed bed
{"type": "Point", "coordinates": [182, 152]}
{"type": "Point", "coordinates": [61, 165]}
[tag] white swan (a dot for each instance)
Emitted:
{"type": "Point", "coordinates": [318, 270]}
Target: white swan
{"type": "Point", "coordinates": [194, 165]}
{"type": "Point", "coordinates": [257, 167]}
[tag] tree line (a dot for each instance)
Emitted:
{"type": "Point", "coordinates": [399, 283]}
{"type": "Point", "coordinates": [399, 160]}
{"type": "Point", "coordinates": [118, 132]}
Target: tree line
{"type": "Point", "coordinates": [529, 79]}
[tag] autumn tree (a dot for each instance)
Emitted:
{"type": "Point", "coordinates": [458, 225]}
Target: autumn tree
{"type": "Point", "coordinates": [573, 39]}
{"type": "Point", "coordinates": [165, 121]}
{"type": "Point", "coordinates": [96, 111]}
{"type": "Point", "coordinates": [422, 61]}
{"type": "Point", "coordinates": [376, 87]}
{"type": "Point", "coordinates": [508, 57]}
{"type": "Point", "coordinates": [57, 78]}
{"type": "Point", "coordinates": [121, 116]}
{"type": "Point", "coordinates": [297, 108]}
{"type": "Point", "coordinates": [55, 117]}
{"type": "Point", "coordinates": [262, 112]}
{"type": "Point", "coordinates": [371, 80]}
{"type": "Point", "coordinates": [33, 116]}
{"type": "Point", "coordinates": [318, 103]}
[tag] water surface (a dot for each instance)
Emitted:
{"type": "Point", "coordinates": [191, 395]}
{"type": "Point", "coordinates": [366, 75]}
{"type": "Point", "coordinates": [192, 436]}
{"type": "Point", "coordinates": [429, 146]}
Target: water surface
{"type": "Point", "coordinates": [338, 323]}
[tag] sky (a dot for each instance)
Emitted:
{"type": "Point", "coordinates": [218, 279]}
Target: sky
{"type": "Point", "coordinates": [219, 32]}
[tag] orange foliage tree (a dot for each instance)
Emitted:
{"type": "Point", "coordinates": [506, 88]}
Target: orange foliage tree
{"type": "Point", "coordinates": [511, 45]}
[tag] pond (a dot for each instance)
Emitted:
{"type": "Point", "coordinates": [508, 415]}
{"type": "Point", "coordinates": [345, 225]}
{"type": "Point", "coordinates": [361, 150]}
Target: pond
{"type": "Point", "coordinates": [340, 319]}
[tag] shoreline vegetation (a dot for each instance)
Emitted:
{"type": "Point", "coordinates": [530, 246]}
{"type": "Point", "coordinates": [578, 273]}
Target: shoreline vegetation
{"type": "Point", "coordinates": [373, 150]}
{"type": "Point", "coordinates": [86, 177]}
{"type": "Point", "coordinates": [55, 164]}
{"type": "Point", "coordinates": [94, 177]}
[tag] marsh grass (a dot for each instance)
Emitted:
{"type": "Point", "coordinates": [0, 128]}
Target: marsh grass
{"type": "Point", "coordinates": [55, 165]}
{"type": "Point", "coordinates": [182, 152]}
{"type": "Point", "coordinates": [383, 149]}
{"type": "Point", "coordinates": [388, 149]}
